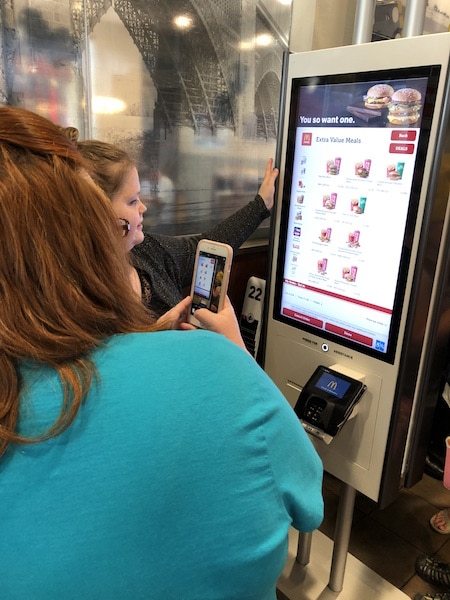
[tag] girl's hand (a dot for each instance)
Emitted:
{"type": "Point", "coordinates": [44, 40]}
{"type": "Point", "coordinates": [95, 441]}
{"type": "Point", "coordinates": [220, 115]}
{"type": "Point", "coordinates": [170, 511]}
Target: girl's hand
{"type": "Point", "coordinates": [176, 317]}
{"type": "Point", "coordinates": [224, 322]}
{"type": "Point", "coordinates": [267, 187]}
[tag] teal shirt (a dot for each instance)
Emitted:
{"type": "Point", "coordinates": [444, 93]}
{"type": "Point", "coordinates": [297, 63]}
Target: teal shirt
{"type": "Point", "coordinates": [178, 480]}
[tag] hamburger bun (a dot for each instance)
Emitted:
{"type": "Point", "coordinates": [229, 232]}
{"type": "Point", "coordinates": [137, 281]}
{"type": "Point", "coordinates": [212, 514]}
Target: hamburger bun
{"type": "Point", "coordinates": [378, 96]}
{"type": "Point", "coordinates": [406, 96]}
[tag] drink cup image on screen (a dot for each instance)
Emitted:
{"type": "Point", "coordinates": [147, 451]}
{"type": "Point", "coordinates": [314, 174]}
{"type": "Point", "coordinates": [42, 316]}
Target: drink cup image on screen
{"type": "Point", "coordinates": [211, 275]}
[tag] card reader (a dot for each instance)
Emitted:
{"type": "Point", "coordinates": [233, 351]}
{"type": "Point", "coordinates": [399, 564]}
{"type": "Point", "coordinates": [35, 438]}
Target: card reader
{"type": "Point", "coordinates": [327, 402]}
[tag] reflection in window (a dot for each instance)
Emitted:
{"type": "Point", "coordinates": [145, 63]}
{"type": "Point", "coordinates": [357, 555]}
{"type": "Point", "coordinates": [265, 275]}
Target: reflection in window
{"type": "Point", "coordinates": [192, 93]}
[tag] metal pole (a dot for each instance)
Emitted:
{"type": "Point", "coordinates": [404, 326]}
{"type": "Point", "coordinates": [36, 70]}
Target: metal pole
{"type": "Point", "coordinates": [342, 537]}
{"type": "Point", "coordinates": [304, 548]}
{"type": "Point", "coordinates": [87, 80]}
{"type": "Point", "coordinates": [414, 18]}
{"type": "Point", "coordinates": [364, 16]}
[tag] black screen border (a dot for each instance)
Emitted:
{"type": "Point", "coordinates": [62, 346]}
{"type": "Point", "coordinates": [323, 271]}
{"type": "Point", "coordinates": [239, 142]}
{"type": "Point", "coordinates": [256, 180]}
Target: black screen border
{"type": "Point", "coordinates": [432, 73]}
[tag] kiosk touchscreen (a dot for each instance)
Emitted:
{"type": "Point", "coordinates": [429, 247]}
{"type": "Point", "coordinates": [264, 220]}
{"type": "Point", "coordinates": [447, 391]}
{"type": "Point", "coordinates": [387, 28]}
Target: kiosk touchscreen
{"type": "Point", "coordinates": [356, 163]}
{"type": "Point", "coordinates": [362, 126]}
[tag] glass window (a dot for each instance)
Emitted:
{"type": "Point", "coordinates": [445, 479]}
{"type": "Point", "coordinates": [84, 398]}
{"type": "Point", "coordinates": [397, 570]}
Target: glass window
{"type": "Point", "coordinates": [191, 91]}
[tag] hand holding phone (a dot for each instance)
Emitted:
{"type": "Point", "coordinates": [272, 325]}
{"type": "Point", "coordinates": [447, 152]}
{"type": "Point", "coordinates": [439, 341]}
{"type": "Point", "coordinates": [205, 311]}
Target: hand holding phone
{"type": "Point", "coordinates": [176, 317]}
{"type": "Point", "coordinates": [211, 275]}
{"type": "Point", "coordinates": [224, 323]}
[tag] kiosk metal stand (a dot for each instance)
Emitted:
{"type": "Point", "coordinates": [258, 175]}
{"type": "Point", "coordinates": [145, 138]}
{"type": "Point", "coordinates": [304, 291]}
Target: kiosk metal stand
{"type": "Point", "coordinates": [341, 539]}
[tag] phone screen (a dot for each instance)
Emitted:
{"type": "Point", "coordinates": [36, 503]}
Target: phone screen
{"type": "Point", "coordinates": [208, 281]}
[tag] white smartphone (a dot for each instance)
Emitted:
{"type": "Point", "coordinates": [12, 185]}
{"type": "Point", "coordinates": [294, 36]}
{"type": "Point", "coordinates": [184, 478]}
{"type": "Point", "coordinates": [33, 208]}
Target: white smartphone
{"type": "Point", "coordinates": [211, 275]}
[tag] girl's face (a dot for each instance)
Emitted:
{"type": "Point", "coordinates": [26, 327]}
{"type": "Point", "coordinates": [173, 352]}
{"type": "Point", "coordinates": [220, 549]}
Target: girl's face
{"type": "Point", "coordinates": [127, 205]}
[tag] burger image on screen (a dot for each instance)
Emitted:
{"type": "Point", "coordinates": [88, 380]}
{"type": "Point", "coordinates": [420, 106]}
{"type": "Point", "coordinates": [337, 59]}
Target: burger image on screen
{"type": "Point", "coordinates": [378, 96]}
{"type": "Point", "coordinates": [404, 107]}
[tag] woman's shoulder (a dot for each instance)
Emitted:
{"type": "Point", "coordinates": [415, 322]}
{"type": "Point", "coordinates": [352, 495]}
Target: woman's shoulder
{"type": "Point", "coordinates": [159, 249]}
{"type": "Point", "coordinates": [174, 342]}
{"type": "Point", "coordinates": [194, 354]}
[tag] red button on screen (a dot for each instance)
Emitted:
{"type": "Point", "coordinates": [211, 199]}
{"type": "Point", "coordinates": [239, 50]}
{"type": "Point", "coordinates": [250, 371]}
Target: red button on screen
{"type": "Point", "coordinates": [408, 135]}
{"type": "Point", "coordinates": [400, 148]}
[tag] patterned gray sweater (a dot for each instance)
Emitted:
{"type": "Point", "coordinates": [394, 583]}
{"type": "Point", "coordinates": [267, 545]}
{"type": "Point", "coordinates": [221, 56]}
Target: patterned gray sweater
{"type": "Point", "coordinates": [165, 263]}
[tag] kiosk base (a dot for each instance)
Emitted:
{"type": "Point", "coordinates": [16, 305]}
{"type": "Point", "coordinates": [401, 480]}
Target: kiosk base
{"type": "Point", "coordinates": [310, 582]}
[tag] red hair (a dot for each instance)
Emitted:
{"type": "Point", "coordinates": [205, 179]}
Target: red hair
{"type": "Point", "coordinates": [64, 278]}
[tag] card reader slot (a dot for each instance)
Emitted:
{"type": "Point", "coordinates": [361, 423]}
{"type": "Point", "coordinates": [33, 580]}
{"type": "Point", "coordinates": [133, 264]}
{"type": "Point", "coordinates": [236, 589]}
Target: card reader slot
{"type": "Point", "coordinates": [327, 401]}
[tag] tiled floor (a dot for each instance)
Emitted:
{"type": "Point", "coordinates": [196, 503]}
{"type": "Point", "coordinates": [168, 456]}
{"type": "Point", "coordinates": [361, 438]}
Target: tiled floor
{"type": "Point", "coordinates": [389, 540]}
